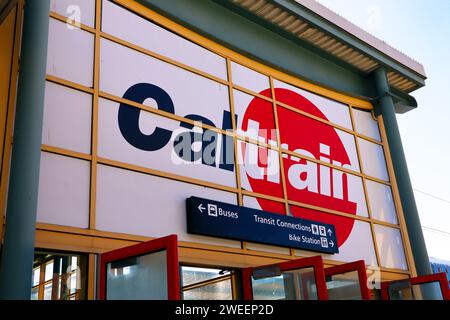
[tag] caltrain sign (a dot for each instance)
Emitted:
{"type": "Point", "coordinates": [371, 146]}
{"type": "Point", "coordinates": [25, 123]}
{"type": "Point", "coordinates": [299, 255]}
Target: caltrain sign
{"type": "Point", "coordinates": [307, 182]}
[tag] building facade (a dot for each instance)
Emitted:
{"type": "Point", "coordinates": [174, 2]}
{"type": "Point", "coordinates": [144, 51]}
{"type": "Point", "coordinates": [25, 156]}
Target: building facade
{"type": "Point", "coordinates": [439, 266]}
{"type": "Point", "coordinates": [123, 110]}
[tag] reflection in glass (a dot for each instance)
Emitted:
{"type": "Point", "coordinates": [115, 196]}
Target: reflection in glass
{"type": "Point", "coordinates": [403, 290]}
{"type": "Point", "coordinates": [381, 202]}
{"type": "Point", "coordinates": [36, 276]}
{"type": "Point", "coordinates": [269, 288]}
{"type": "Point", "coordinates": [49, 271]}
{"type": "Point", "coordinates": [48, 291]}
{"type": "Point", "coordinates": [290, 285]}
{"type": "Point", "coordinates": [192, 275]}
{"type": "Point", "coordinates": [344, 286]}
{"type": "Point", "coordinates": [138, 278]}
{"type": "Point", "coordinates": [389, 241]}
{"type": "Point", "coordinates": [35, 294]}
{"type": "Point", "coordinates": [373, 160]}
{"type": "Point", "coordinates": [58, 276]}
{"type": "Point", "coordinates": [365, 124]}
{"type": "Point", "coordinates": [206, 284]}
{"type": "Point", "coordinates": [216, 291]}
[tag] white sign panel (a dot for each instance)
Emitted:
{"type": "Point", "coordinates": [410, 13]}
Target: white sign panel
{"type": "Point", "coordinates": [136, 203]}
{"type": "Point", "coordinates": [136, 30]}
{"type": "Point", "coordinates": [63, 191]}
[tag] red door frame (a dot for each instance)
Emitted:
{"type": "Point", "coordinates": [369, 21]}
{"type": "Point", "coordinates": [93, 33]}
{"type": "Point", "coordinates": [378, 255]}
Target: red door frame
{"type": "Point", "coordinates": [315, 262]}
{"type": "Point", "coordinates": [437, 277]}
{"type": "Point", "coordinates": [169, 243]}
{"type": "Point", "coordinates": [358, 266]}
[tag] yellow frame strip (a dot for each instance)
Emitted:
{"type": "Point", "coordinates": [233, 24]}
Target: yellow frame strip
{"type": "Point", "coordinates": [8, 138]}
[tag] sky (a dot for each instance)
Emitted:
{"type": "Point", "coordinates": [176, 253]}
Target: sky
{"type": "Point", "coordinates": [421, 30]}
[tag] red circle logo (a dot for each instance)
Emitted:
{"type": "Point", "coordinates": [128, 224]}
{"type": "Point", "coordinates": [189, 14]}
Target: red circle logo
{"type": "Point", "coordinates": [307, 182]}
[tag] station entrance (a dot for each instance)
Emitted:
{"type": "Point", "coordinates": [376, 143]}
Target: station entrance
{"type": "Point", "coordinates": [151, 270]}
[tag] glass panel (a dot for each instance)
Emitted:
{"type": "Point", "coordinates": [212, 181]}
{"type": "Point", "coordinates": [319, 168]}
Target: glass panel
{"type": "Point", "coordinates": [70, 53]}
{"type": "Point", "coordinates": [35, 293]}
{"type": "Point", "coordinates": [259, 169]}
{"type": "Point", "coordinates": [433, 290]}
{"type": "Point", "coordinates": [138, 278]}
{"type": "Point", "coordinates": [48, 291]}
{"type": "Point", "coordinates": [64, 274]}
{"type": "Point", "coordinates": [74, 263]}
{"type": "Point", "coordinates": [255, 117]}
{"type": "Point", "coordinates": [314, 139]}
{"type": "Point", "coordinates": [390, 247]}
{"type": "Point", "coordinates": [402, 290]}
{"type": "Point", "coordinates": [73, 283]}
{"type": "Point", "coordinates": [67, 118]}
{"type": "Point", "coordinates": [405, 291]}
{"type": "Point", "coordinates": [269, 288]}
{"type": "Point", "coordinates": [325, 108]}
{"type": "Point", "coordinates": [381, 202]}
{"type": "Point", "coordinates": [49, 271]}
{"type": "Point", "coordinates": [344, 286]}
{"type": "Point", "coordinates": [365, 124]}
{"type": "Point", "coordinates": [191, 275]}
{"type": "Point", "coordinates": [248, 78]}
{"type": "Point", "coordinates": [162, 41]}
{"type": "Point", "coordinates": [36, 275]}
{"type": "Point", "coordinates": [318, 185]}
{"type": "Point", "coordinates": [373, 159]}
{"type": "Point", "coordinates": [297, 284]}
{"type": "Point", "coordinates": [64, 191]}
{"type": "Point", "coordinates": [67, 8]}
{"type": "Point", "coordinates": [216, 291]}
{"type": "Point", "coordinates": [401, 294]}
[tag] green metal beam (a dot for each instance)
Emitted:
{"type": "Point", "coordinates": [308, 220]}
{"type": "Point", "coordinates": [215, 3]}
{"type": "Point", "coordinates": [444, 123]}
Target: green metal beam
{"type": "Point", "coordinates": [403, 102]}
{"type": "Point", "coordinates": [385, 107]}
{"type": "Point", "coordinates": [18, 249]}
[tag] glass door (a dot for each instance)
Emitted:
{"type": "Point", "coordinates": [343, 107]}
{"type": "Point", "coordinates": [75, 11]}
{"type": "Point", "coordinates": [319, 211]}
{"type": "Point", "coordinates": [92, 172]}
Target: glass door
{"type": "Point", "coordinates": [429, 287]}
{"type": "Point", "coordinates": [301, 279]}
{"type": "Point", "coordinates": [207, 283]}
{"type": "Point", "coordinates": [146, 271]}
{"type": "Point", "coordinates": [347, 281]}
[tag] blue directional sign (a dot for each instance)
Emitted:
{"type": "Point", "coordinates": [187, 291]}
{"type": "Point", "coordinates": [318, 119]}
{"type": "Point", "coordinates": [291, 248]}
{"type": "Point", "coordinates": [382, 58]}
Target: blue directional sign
{"type": "Point", "coordinates": [218, 219]}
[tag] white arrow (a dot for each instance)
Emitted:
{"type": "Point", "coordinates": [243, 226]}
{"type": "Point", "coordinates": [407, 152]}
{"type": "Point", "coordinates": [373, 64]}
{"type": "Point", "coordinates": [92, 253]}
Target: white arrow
{"type": "Point", "coordinates": [330, 232]}
{"type": "Point", "coordinates": [201, 208]}
{"type": "Point", "coordinates": [331, 243]}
